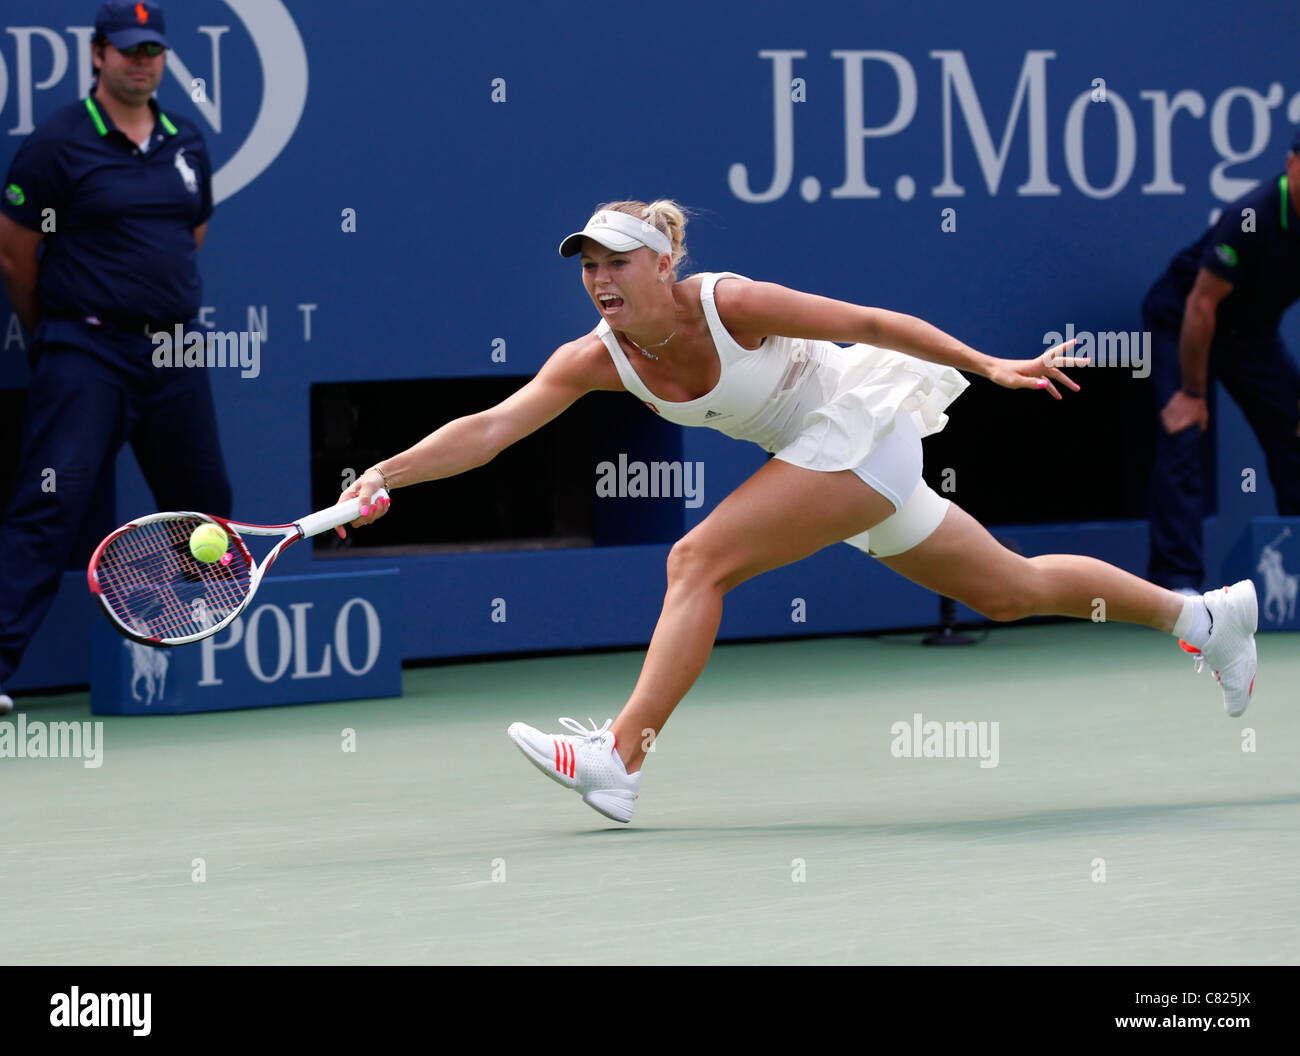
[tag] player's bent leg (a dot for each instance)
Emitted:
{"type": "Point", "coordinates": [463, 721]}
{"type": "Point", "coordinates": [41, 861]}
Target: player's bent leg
{"type": "Point", "coordinates": [780, 515]}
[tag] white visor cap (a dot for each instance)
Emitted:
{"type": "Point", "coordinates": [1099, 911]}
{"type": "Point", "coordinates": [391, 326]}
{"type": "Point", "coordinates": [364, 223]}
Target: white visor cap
{"type": "Point", "coordinates": [620, 232]}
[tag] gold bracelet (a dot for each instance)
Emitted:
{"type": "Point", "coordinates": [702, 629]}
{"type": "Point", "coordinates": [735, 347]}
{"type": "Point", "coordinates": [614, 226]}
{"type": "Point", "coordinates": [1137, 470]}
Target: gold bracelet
{"type": "Point", "coordinates": [383, 476]}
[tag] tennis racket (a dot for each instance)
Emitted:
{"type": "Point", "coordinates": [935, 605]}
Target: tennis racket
{"type": "Point", "coordinates": [154, 591]}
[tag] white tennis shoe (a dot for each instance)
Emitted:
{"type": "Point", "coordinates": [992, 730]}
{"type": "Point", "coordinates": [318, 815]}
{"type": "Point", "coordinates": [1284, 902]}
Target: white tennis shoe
{"type": "Point", "coordinates": [1230, 652]}
{"type": "Point", "coordinates": [587, 763]}
{"type": "Point", "coordinates": [6, 703]}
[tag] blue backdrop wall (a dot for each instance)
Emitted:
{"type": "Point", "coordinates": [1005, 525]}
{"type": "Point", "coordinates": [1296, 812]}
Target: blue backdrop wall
{"type": "Point", "coordinates": [1078, 147]}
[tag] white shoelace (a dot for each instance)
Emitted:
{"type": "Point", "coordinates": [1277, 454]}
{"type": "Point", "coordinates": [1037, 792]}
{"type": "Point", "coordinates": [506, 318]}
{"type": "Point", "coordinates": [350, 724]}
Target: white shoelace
{"type": "Point", "coordinates": [589, 736]}
{"type": "Point", "coordinates": [1198, 662]}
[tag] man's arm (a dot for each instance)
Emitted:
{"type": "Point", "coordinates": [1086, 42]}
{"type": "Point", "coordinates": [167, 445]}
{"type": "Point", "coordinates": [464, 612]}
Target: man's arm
{"type": "Point", "coordinates": [1199, 314]}
{"type": "Point", "coordinates": [1198, 328]}
{"type": "Point", "coordinates": [19, 268]}
{"type": "Point", "coordinates": [200, 233]}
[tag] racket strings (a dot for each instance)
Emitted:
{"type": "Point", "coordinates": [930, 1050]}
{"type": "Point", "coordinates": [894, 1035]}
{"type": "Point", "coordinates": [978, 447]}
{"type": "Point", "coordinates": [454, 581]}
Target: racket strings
{"type": "Point", "coordinates": [158, 589]}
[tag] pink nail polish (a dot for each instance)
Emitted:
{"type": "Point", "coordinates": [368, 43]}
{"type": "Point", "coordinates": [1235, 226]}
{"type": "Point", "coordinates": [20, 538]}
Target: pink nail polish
{"type": "Point", "coordinates": [365, 511]}
{"type": "Point", "coordinates": [1042, 383]}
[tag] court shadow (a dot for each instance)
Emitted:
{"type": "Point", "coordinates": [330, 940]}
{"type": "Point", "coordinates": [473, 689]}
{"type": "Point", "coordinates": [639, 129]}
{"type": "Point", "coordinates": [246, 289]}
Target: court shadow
{"type": "Point", "coordinates": [1104, 818]}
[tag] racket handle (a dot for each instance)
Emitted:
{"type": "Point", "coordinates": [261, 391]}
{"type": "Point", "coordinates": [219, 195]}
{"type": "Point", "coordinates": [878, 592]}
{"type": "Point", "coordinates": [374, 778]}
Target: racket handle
{"type": "Point", "coordinates": [343, 513]}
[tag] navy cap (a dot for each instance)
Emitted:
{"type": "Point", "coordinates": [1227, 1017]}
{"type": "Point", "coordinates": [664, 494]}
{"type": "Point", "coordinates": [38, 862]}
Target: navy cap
{"type": "Point", "coordinates": [1295, 143]}
{"type": "Point", "coordinates": [126, 24]}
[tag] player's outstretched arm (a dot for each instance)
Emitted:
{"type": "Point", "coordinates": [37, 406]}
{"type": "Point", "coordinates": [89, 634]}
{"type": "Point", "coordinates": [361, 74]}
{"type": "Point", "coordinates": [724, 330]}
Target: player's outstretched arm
{"type": "Point", "coordinates": [466, 443]}
{"type": "Point", "coordinates": [768, 308]}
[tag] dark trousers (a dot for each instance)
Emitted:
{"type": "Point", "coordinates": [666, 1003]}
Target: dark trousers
{"type": "Point", "coordinates": [91, 391]}
{"type": "Point", "coordinates": [1261, 377]}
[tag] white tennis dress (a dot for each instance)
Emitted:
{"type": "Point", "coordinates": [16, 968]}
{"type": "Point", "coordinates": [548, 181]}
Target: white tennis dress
{"type": "Point", "coordinates": [813, 404]}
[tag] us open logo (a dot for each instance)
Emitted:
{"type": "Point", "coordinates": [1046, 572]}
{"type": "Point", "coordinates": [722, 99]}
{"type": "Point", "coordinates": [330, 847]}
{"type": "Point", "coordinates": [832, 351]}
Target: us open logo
{"type": "Point", "coordinates": [43, 67]}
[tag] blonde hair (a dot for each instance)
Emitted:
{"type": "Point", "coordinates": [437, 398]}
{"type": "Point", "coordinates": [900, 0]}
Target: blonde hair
{"type": "Point", "coordinates": [667, 216]}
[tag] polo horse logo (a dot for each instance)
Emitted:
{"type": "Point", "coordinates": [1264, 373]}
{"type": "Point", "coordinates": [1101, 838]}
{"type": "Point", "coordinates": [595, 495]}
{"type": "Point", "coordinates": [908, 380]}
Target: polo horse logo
{"type": "Point", "coordinates": [148, 665]}
{"type": "Point", "coordinates": [188, 175]}
{"type": "Point", "coordinates": [1280, 588]}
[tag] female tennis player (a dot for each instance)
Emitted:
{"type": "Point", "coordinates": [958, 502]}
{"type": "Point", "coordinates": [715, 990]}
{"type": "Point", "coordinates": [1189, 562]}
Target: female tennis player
{"type": "Point", "coordinates": [845, 426]}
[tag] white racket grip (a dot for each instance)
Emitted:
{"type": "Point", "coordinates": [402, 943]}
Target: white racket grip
{"type": "Point", "coordinates": [343, 513]}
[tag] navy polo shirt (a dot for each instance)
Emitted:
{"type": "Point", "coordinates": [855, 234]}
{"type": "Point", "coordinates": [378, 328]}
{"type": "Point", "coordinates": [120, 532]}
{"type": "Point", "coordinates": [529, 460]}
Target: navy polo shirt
{"type": "Point", "coordinates": [122, 248]}
{"type": "Point", "coordinates": [1263, 265]}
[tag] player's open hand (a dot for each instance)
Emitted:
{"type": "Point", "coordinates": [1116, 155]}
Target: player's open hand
{"type": "Point", "coordinates": [1039, 372]}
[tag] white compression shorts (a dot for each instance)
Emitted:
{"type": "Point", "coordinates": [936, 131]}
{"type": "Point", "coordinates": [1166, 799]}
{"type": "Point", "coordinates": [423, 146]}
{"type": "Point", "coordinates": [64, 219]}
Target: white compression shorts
{"type": "Point", "coordinates": [894, 469]}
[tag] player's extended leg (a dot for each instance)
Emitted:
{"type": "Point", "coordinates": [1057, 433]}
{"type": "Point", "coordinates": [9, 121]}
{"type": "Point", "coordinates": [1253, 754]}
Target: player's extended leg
{"type": "Point", "coordinates": [779, 515]}
{"type": "Point", "coordinates": [961, 560]}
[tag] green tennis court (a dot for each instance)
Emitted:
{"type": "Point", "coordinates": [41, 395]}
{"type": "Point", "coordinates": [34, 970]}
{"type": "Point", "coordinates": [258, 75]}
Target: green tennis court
{"type": "Point", "coordinates": [1123, 822]}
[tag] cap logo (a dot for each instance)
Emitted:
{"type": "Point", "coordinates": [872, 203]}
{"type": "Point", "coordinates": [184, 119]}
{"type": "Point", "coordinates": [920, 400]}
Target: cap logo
{"type": "Point", "coordinates": [620, 232]}
{"type": "Point", "coordinates": [142, 16]}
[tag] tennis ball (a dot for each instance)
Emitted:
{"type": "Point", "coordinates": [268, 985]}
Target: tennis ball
{"type": "Point", "coordinates": [208, 543]}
